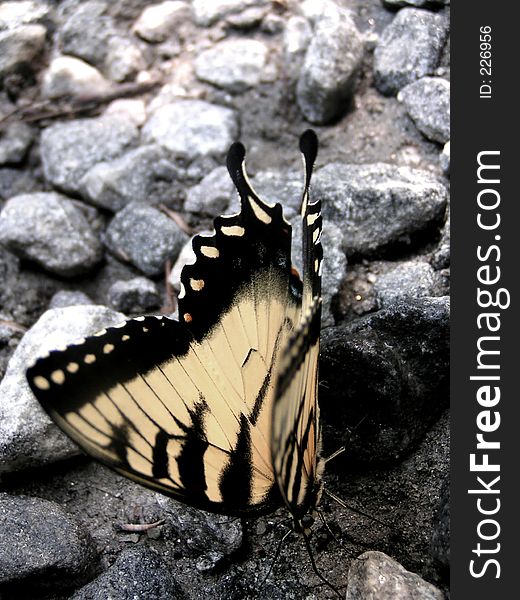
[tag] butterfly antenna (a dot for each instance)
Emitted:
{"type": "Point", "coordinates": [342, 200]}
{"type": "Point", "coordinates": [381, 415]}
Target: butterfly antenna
{"type": "Point", "coordinates": [315, 568]}
{"type": "Point", "coordinates": [354, 509]}
{"type": "Point", "coordinates": [276, 555]}
{"type": "Point", "coordinates": [334, 454]}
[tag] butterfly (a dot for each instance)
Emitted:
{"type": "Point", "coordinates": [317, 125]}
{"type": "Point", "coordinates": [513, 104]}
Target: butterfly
{"type": "Point", "coordinates": [217, 409]}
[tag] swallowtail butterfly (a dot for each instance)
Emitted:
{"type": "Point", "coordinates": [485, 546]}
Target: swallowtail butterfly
{"type": "Point", "coordinates": [219, 408]}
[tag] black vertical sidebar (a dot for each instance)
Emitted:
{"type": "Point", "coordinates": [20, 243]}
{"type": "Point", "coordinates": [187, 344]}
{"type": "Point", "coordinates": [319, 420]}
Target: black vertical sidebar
{"type": "Point", "coordinates": [485, 523]}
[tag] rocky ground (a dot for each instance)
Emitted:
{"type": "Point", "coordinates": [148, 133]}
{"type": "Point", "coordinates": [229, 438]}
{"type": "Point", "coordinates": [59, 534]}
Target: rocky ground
{"type": "Point", "coordinates": [115, 118]}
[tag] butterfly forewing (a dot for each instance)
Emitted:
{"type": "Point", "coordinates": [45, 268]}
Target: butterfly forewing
{"type": "Point", "coordinates": [186, 407]}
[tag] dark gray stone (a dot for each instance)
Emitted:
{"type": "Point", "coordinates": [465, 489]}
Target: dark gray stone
{"type": "Point", "coordinates": [379, 205]}
{"type": "Point", "coordinates": [387, 376]}
{"type": "Point", "coordinates": [69, 149]}
{"type": "Point", "coordinates": [212, 195]}
{"type": "Point", "coordinates": [41, 544]}
{"type": "Point", "coordinates": [19, 47]}
{"type": "Point", "coordinates": [329, 72]}
{"type": "Point", "coordinates": [28, 438]}
{"type": "Point", "coordinates": [133, 177]}
{"type": "Point", "coordinates": [14, 182]}
{"type": "Point", "coordinates": [86, 32]}
{"type": "Point", "coordinates": [411, 279]}
{"type": "Point", "coordinates": [137, 573]}
{"type": "Point", "coordinates": [192, 128]}
{"type": "Point", "coordinates": [409, 48]}
{"type": "Point", "coordinates": [134, 296]}
{"type": "Point", "coordinates": [440, 540]}
{"type": "Point", "coordinates": [146, 237]}
{"type": "Point", "coordinates": [427, 101]}
{"type": "Point", "coordinates": [234, 65]}
{"type": "Point", "coordinates": [14, 142]}
{"type": "Point", "coordinates": [376, 575]}
{"type": "Point", "coordinates": [50, 230]}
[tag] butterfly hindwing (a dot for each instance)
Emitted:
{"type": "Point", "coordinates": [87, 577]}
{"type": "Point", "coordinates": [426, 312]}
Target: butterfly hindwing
{"type": "Point", "coordinates": [186, 407]}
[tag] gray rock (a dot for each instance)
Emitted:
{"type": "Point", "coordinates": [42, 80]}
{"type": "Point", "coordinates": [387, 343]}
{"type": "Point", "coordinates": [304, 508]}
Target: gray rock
{"type": "Point", "coordinates": [207, 12]}
{"type": "Point", "coordinates": [42, 543]}
{"type": "Point", "coordinates": [136, 295]}
{"type": "Point", "coordinates": [19, 47]}
{"type": "Point", "coordinates": [441, 257]}
{"type": "Point", "coordinates": [69, 149]}
{"type": "Point", "coordinates": [427, 101]}
{"type": "Point", "coordinates": [133, 177]}
{"type": "Point", "coordinates": [416, 3]}
{"type": "Point", "coordinates": [330, 68]}
{"type": "Point", "coordinates": [411, 279]}
{"type": "Point", "coordinates": [65, 298]}
{"type": "Point", "coordinates": [316, 10]}
{"type": "Point", "coordinates": [378, 205]}
{"type": "Point", "coordinates": [283, 187]}
{"type": "Point", "coordinates": [14, 14]}
{"type": "Point", "coordinates": [49, 229]}
{"type": "Point", "coordinates": [409, 48]}
{"type": "Point", "coordinates": [444, 158]}
{"type": "Point", "coordinates": [28, 438]}
{"type": "Point", "coordinates": [137, 573]}
{"type": "Point", "coordinates": [145, 236]}
{"type": "Point", "coordinates": [160, 21]}
{"type": "Point", "coordinates": [14, 142]}
{"type": "Point", "coordinates": [70, 76]}
{"type": "Point", "coordinates": [200, 532]}
{"type": "Point", "coordinates": [397, 381]}
{"type": "Point", "coordinates": [376, 575]}
{"type": "Point", "coordinates": [124, 58]}
{"type": "Point", "coordinates": [440, 540]}
{"type": "Point", "coordinates": [14, 182]}
{"type": "Point", "coordinates": [234, 65]}
{"type": "Point", "coordinates": [86, 32]}
{"type": "Point", "coordinates": [192, 128]}
{"type": "Point", "coordinates": [212, 195]}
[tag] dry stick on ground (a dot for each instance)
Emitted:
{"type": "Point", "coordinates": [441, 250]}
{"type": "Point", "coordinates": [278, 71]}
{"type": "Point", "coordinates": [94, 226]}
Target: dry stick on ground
{"type": "Point", "coordinates": [74, 106]}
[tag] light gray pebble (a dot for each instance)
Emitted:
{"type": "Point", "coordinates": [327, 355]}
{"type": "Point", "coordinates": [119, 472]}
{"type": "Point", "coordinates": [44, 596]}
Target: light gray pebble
{"type": "Point", "coordinates": [410, 47]}
{"type": "Point", "coordinates": [160, 21]}
{"type": "Point", "coordinates": [416, 3]}
{"type": "Point", "coordinates": [192, 128]}
{"type": "Point", "coordinates": [212, 195]}
{"type": "Point", "coordinates": [145, 236]}
{"type": "Point", "coordinates": [234, 65]}
{"type": "Point", "coordinates": [207, 12]}
{"type": "Point", "coordinates": [124, 58]}
{"type": "Point", "coordinates": [130, 178]}
{"type": "Point", "coordinates": [42, 543]}
{"type": "Point", "coordinates": [138, 572]}
{"type": "Point", "coordinates": [49, 229]}
{"type": "Point", "coordinates": [14, 13]}
{"type": "Point", "coordinates": [379, 204]}
{"type": "Point", "coordinates": [330, 68]}
{"type": "Point", "coordinates": [427, 101]}
{"type": "Point", "coordinates": [248, 18]}
{"type": "Point", "coordinates": [65, 298]}
{"type": "Point", "coordinates": [136, 295]}
{"type": "Point", "coordinates": [28, 438]}
{"type": "Point", "coordinates": [376, 575]}
{"type": "Point", "coordinates": [296, 38]}
{"type": "Point", "coordinates": [20, 46]}
{"type": "Point", "coordinates": [444, 158]}
{"type": "Point", "coordinates": [70, 76]}
{"type": "Point", "coordinates": [15, 141]}
{"type": "Point", "coordinates": [86, 31]}
{"type": "Point", "coordinates": [411, 279]}
{"type": "Point", "coordinates": [69, 149]}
